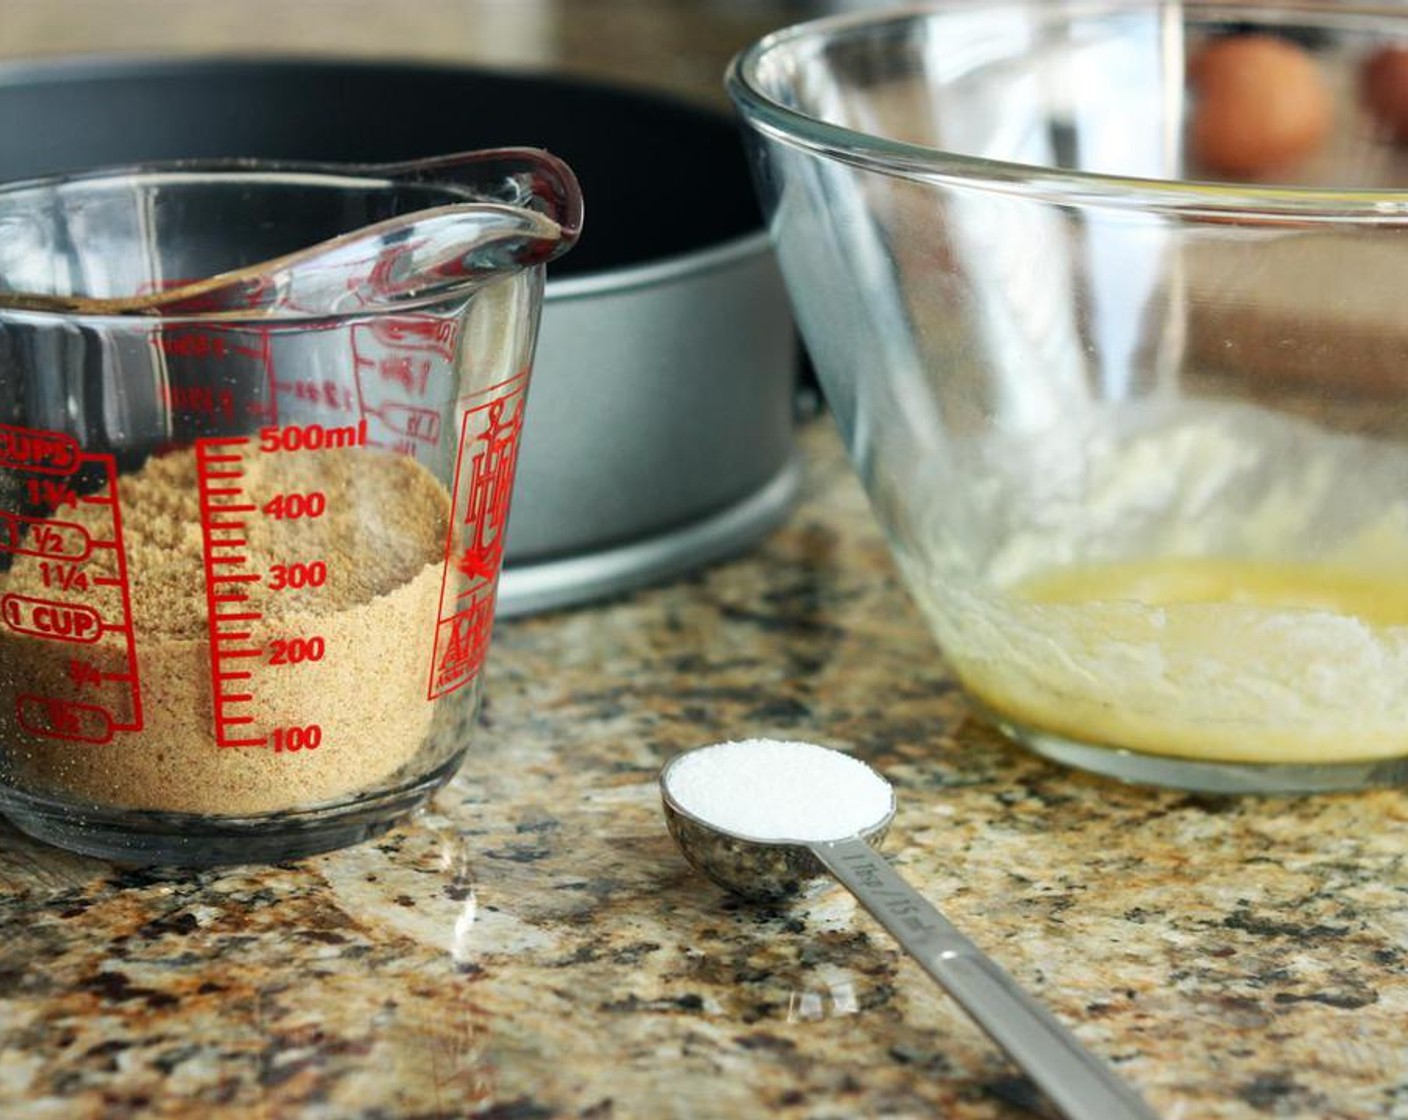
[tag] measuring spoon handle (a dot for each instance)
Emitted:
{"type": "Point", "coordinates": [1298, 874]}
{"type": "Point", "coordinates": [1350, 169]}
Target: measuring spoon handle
{"type": "Point", "coordinates": [1073, 1078]}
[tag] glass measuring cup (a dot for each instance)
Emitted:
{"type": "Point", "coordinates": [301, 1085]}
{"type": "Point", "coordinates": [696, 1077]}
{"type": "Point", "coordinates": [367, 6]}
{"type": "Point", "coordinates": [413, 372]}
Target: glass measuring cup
{"type": "Point", "coordinates": [258, 431]}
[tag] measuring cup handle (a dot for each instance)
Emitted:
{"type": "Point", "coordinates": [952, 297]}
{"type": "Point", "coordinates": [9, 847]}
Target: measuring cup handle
{"type": "Point", "coordinates": [1073, 1078]}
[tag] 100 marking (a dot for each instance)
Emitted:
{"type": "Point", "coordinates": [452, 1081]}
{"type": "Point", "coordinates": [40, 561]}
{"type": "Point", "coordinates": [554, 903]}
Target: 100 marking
{"type": "Point", "coordinates": [286, 740]}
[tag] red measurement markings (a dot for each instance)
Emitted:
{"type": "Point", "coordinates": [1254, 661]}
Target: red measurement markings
{"type": "Point", "coordinates": [45, 618]}
{"type": "Point", "coordinates": [411, 421]}
{"type": "Point", "coordinates": [50, 495]}
{"type": "Point", "coordinates": [312, 437]}
{"type": "Point", "coordinates": [436, 334]}
{"type": "Point", "coordinates": [401, 362]}
{"type": "Point", "coordinates": [195, 357]}
{"type": "Point", "coordinates": [225, 510]}
{"type": "Point", "coordinates": [326, 394]}
{"type": "Point", "coordinates": [123, 583]}
{"type": "Point", "coordinates": [43, 452]}
{"type": "Point", "coordinates": [65, 719]}
{"type": "Point", "coordinates": [38, 536]}
{"type": "Point", "coordinates": [77, 609]}
{"type": "Point", "coordinates": [488, 456]}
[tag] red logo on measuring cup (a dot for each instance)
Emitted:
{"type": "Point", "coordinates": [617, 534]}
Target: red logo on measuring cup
{"type": "Point", "coordinates": [474, 548]}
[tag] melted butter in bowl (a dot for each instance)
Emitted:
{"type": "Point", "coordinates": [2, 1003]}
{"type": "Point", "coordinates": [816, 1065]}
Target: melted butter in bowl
{"type": "Point", "coordinates": [1205, 658]}
{"type": "Point", "coordinates": [1186, 581]}
{"type": "Point", "coordinates": [1209, 583]}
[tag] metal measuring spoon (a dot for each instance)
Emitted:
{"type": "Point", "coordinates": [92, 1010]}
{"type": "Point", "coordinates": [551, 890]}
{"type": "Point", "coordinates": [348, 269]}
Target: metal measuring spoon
{"type": "Point", "coordinates": [1078, 1083]}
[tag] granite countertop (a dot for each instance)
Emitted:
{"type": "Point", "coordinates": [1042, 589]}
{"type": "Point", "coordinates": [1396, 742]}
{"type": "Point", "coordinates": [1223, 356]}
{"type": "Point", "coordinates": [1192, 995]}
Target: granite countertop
{"type": "Point", "coordinates": [533, 946]}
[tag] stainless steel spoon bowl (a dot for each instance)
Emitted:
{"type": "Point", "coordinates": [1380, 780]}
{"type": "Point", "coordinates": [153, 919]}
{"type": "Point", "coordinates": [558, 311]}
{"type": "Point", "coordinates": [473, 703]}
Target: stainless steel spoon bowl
{"type": "Point", "coordinates": [755, 869]}
{"type": "Point", "coordinates": [1078, 1083]}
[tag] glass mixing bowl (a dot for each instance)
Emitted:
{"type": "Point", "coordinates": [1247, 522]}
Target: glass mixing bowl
{"type": "Point", "coordinates": [1106, 299]}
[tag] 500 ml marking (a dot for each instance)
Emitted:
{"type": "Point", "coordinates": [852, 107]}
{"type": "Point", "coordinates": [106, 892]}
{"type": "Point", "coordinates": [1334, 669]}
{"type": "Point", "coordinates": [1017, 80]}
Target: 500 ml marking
{"type": "Point", "coordinates": [227, 510]}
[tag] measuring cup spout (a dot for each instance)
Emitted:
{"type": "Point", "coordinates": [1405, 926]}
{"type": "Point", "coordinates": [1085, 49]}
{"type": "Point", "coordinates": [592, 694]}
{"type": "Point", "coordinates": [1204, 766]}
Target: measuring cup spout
{"type": "Point", "coordinates": [527, 177]}
{"type": "Point", "coordinates": [405, 260]}
{"type": "Point", "coordinates": [502, 210]}
{"type": "Point", "coordinates": [328, 239]}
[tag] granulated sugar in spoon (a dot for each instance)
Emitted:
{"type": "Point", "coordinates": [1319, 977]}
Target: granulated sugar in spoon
{"type": "Point", "coordinates": [766, 819]}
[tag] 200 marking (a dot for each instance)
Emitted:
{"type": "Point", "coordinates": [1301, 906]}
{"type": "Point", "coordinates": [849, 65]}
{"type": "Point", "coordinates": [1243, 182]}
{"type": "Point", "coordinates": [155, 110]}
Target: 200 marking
{"type": "Point", "coordinates": [295, 651]}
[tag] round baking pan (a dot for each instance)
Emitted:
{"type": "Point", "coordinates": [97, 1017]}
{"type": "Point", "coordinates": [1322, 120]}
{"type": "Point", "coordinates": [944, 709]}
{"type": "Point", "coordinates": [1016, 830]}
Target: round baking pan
{"type": "Point", "coordinates": [658, 435]}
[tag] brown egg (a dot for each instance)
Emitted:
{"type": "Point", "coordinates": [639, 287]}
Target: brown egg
{"type": "Point", "coordinates": [1384, 81]}
{"type": "Point", "coordinates": [1261, 106]}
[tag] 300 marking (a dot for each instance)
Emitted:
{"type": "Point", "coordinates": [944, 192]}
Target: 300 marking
{"type": "Point", "coordinates": [297, 575]}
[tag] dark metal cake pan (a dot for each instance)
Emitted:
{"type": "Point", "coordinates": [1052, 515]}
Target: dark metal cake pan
{"type": "Point", "coordinates": [659, 426]}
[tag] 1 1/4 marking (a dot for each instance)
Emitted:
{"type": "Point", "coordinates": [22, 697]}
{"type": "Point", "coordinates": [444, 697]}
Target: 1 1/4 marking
{"type": "Point", "coordinates": [63, 577]}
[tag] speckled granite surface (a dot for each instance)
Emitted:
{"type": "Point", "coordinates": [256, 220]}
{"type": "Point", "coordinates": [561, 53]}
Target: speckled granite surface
{"type": "Point", "coordinates": [532, 946]}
